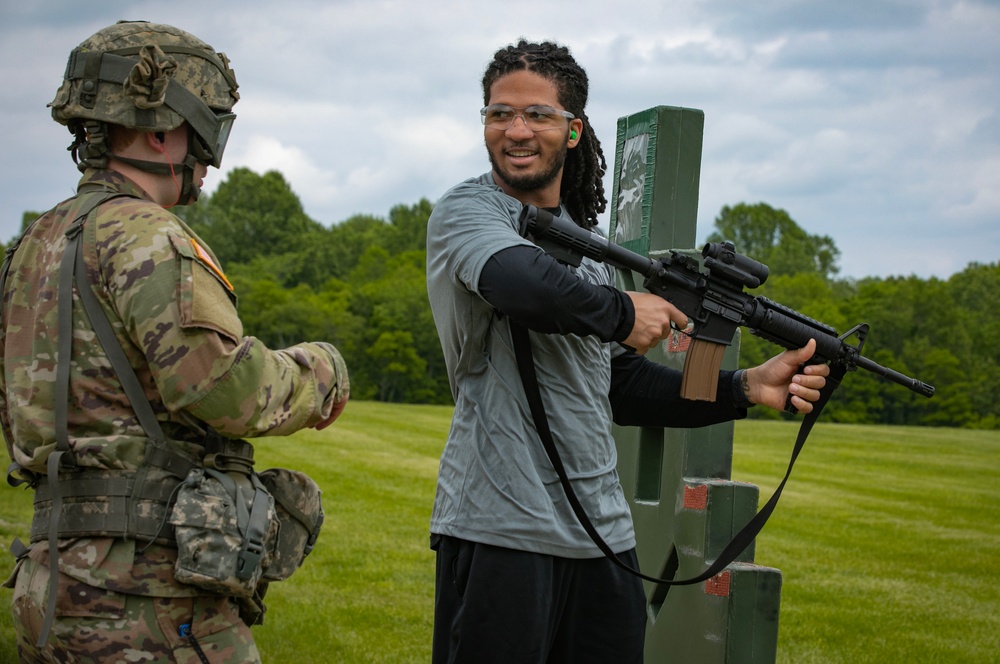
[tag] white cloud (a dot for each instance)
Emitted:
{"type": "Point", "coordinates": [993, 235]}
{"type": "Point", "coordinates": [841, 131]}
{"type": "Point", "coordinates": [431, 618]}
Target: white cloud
{"type": "Point", "coordinates": [875, 124]}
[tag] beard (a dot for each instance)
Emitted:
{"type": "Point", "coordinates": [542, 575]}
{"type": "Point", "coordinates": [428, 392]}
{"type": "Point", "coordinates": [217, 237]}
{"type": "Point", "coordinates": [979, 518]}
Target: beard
{"type": "Point", "coordinates": [531, 181]}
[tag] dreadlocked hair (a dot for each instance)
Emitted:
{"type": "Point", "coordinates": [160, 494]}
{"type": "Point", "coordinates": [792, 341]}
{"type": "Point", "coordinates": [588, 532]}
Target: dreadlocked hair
{"type": "Point", "coordinates": [582, 186]}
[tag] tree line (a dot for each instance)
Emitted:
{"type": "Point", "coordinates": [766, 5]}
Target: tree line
{"type": "Point", "coordinates": [943, 331]}
{"type": "Point", "coordinates": [361, 284]}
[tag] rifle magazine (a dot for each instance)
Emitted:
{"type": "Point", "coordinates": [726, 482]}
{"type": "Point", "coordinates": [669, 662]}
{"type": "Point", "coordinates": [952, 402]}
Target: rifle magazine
{"type": "Point", "coordinates": [700, 381]}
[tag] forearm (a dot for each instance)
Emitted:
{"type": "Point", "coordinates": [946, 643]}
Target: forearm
{"type": "Point", "coordinates": [644, 393]}
{"type": "Point", "coordinates": [267, 392]}
{"type": "Point", "coordinates": [543, 295]}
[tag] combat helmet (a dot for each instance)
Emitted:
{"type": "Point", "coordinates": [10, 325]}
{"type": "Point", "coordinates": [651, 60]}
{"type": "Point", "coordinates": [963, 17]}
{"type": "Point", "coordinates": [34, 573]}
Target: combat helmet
{"type": "Point", "coordinates": [149, 77]}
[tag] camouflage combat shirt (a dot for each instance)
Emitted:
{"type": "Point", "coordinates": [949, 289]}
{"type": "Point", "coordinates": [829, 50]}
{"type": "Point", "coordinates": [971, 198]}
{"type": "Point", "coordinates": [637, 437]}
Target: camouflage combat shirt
{"type": "Point", "coordinates": [174, 313]}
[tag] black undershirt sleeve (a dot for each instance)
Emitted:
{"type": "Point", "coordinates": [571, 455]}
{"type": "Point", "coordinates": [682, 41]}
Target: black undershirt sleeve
{"type": "Point", "coordinates": [537, 291]}
{"type": "Point", "coordinates": [545, 296]}
{"type": "Point", "coordinates": [644, 393]}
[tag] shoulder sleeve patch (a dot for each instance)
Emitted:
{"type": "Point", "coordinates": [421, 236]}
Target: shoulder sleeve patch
{"type": "Point", "coordinates": [207, 260]}
{"type": "Point", "coordinates": [206, 298]}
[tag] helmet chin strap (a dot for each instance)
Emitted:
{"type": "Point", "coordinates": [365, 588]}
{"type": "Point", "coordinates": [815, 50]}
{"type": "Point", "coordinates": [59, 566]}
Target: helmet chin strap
{"type": "Point", "coordinates": [188, 192]}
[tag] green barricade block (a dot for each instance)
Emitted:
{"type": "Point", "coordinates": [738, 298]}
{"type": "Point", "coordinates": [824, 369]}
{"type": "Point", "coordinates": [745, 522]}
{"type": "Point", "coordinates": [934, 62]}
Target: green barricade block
{"type": "Point", "coordinates": [685, 506]}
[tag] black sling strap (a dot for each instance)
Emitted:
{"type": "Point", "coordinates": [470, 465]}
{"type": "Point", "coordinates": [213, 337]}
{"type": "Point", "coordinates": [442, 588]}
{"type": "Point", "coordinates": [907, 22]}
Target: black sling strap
{"type": "Point", "coordinates": [742, 539]}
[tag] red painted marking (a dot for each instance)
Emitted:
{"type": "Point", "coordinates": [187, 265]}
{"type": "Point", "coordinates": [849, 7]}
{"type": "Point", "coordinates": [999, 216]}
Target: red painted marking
{"type": "Point", "coordinates": [696, 497]}
{"type": "Point", "coordinates": [718, 585]}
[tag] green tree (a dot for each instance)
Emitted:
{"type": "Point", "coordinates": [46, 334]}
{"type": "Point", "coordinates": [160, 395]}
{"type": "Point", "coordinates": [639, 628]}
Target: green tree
{"type": "Point", "coordinates": [250, 216]}
{"type": "Point", "coordinates": [409, 227]}
{"type": "Point", "coordinates": [391, 296]}
{"type": "Point", "coordinates": [281, 316]}
{"type": "Point", "coordinates": [406, 230]}
{"type": "Point", "coordinates": [973, 294]}
{"type": "Point", "coordinates": [399, 368]}
{"type": "Point", "coordinates": [770, 236]}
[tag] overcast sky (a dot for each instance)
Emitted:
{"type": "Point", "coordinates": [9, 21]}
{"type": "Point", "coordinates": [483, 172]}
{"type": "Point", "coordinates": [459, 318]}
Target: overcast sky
{"type": "Point", "coordinates": [876, 122]}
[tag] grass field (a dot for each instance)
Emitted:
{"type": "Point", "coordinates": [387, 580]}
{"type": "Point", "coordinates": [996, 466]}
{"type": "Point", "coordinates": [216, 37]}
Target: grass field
{"type": "Point", "coordinates": [888, 540]}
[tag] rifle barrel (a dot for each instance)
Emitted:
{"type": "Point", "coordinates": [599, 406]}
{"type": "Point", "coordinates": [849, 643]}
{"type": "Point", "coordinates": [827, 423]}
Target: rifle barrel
{"type": "Point", "coordinates": [917, 386]}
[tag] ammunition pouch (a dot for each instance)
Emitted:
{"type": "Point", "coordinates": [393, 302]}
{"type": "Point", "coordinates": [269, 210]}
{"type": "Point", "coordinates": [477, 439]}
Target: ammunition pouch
{"type": "Point", "coordinates": [226, 529]}
{"type": "Point", "coordinates": [300, 516]}
{"type": "Point", "coordinates": [224, 521]}
{"type": "Point", "coordinates": [235, 528]}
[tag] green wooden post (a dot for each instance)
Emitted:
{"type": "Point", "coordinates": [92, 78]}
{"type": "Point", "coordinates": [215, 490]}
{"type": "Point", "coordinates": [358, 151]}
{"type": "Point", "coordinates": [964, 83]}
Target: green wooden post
{"type": "Point", "coordinates": [685, 506]}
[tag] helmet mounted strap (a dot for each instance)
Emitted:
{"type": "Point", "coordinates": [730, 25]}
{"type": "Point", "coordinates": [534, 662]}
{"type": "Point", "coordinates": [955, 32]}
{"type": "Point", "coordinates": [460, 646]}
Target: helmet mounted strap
{"type": "Point", "coordinates": [188, 193]}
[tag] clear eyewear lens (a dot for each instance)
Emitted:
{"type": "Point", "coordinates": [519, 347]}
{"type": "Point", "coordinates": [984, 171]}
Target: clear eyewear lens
{"type": "Point", "coordinates": [209, 149]}
{"type": "Point", "coordinates": [536, 118]}
{"type": "Point", "coordinates": [225, 127]}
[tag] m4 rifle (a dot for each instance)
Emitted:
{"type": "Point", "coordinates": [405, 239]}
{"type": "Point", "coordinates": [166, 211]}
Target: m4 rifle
{"type": "Point", "coordinates": [712, 295]}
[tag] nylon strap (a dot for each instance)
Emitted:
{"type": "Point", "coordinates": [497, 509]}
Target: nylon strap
{"type": "Point", "coordinates": [253, 539]}
{"type": "Point", "coordinates": [255, 519]}
{"type": "Point", "coordinates": [742, 539]}
{"type": "Point", "coordinates": [214, 58]}
{"type": "Point", "coordinates": [55, 515]}
{"type": "Point", "coordinates": [112, 348]}
{"type": "Point", "coordinates": [65, 334]}
{"type": "Point", "coordinates": [86, 204]}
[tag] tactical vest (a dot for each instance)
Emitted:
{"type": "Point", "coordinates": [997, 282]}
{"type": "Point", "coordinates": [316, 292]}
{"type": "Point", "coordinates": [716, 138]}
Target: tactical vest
{"type": "Point", "coordinates": [73, 502]}
{"type": "Point", "coordinates": [79, 502]}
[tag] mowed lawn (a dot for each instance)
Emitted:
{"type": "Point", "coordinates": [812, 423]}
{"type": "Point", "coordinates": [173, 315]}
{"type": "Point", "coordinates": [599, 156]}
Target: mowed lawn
{"type": "Point", "coordinates": [888, 539]}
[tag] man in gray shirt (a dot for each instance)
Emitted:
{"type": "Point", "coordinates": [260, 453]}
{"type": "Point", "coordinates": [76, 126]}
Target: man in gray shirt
{"type": "Point", "coordinates": [518, 578]}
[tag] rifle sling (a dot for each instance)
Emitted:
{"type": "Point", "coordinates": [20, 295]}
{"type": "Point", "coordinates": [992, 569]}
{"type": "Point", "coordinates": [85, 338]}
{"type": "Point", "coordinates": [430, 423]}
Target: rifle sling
{"type": "Point", "coordinates": [740, 541]}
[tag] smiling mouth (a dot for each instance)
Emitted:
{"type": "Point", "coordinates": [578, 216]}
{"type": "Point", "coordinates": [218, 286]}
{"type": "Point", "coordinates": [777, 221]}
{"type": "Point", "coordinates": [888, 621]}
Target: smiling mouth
{"type": "Point", "coordinates": [520, 152]}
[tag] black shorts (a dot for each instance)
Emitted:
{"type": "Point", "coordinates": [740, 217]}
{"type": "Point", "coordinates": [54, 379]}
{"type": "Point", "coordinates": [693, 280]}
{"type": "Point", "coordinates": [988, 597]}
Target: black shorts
{"type": "Point", "coordinates": [499, 605]}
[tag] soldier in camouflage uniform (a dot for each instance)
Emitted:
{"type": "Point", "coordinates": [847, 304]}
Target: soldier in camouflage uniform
{"type": "Point", "coordinates": [149, 106]}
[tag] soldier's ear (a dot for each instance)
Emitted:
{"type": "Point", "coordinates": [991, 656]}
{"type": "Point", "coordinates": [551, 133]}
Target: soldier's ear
{"type": "Point", "coordinates": [156, 140]}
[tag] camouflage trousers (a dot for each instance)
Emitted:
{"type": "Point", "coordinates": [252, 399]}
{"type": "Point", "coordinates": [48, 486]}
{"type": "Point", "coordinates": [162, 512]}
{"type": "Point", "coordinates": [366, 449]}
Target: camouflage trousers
{"type": "Point", "coordinates": [97, 625]}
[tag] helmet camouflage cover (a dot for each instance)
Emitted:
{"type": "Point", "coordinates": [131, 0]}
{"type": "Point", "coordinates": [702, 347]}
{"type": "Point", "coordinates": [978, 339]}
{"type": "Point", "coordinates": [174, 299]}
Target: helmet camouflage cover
{"type": "Point", "coordinates": [149, 77]}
